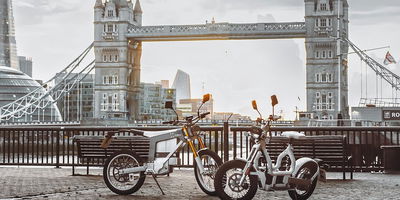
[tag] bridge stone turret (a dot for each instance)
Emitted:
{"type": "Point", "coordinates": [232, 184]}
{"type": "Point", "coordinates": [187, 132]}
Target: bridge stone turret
{"type": "Point", "coordinates": [117, 74]}
{"type": "Point", "coordinates": [321, 18]}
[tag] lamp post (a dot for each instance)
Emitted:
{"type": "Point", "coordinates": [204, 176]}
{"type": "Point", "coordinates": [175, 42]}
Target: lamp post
{"type": "Point", "coordinates": [339, 57]}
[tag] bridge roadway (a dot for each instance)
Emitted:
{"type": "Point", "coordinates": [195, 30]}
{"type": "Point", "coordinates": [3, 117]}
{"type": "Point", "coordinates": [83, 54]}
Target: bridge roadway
{"type": "Point", "coordinates": [217, 31]}
{"type": "Point", "coordinates": [50, 183]}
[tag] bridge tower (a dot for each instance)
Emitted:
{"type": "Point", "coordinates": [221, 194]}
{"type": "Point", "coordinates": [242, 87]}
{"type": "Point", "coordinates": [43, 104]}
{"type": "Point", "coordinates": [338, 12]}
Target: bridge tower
{"type": "Point", "coordinates": [117, 80]}
{"type": "Point", "coordinates": [325, 59]}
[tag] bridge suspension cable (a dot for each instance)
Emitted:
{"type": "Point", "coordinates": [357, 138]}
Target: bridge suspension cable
{"type": "Point", "coordinates": [43, 97]}
{"type": "Point", "coordinates": [382, 72]}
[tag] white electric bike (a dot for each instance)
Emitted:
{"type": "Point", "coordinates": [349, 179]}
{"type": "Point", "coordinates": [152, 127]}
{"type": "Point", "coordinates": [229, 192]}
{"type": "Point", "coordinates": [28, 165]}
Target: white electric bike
{"type": "Point", "coordinates": [124, 171]}
{"type": "Point", "coordinates": [240, 178]}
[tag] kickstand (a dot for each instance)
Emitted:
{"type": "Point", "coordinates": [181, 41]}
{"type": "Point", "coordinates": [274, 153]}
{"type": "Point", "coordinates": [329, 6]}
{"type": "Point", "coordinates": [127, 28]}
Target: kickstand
{"type": "Point", "coordinates": [155, 179]}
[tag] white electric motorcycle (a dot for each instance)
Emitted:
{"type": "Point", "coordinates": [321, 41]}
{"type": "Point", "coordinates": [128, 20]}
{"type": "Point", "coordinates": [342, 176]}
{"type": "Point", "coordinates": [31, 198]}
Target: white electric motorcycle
{"type": "Point", "coordinates": [124, 171]}
{"type": "Point", "coordinates": [240, 178]}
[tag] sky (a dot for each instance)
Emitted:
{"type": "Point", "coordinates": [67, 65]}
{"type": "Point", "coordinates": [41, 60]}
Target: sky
{"type": "Point", "coordinates": [54, 32]}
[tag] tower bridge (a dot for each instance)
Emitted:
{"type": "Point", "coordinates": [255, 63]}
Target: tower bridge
{"type": "Point", "coordinates": [119, 35]}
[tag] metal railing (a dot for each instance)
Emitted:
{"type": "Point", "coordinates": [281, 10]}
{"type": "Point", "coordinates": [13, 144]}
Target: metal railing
{"type": "Point", "coordinates": [54, 146]}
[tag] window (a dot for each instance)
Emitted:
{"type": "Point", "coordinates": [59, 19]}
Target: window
{"type": "Point", "coordinates": [104, 58]}
{"type": "Point", "coordinates": [330, 78]}
{"type": "Point", "coordinates": [317, 78]}
{"type": "Point", "coordinates": [110, 13]}
{"type": "Point", "coordinates": [329, 22]}
{"type": "Point", "coordinates": [330, 54]}
{"type": "Point", "coordinates": [323, 54]}
{"type": "Point", "coordinates": [323, 78]}
{"type": "Point", "coordinates": [317, 54]}
{"type": "Point", "coordinates": [110, 80]}
{"type": "Point", "coordinates": [317, 94]}
{"type": "Point", "coordinates": [104, 80]}
{"type": "Point", "coordinates": [115, 103]}
{"type": "Point", "coordinates": [330, 117]}
{"type": "Point", "coordinates": [316, 22]}
{"type": "Point", "coordinates": [116, 80]}
{"type": "Point", "coordinates": [116, 58]}
{"type": "Point", "coordinates": [323, 22]}
{"type": "Point", "coordinates": [104, 104]}
{"type": "Point", "coordinates": [110, 28]}
{"type": "Point", "coordinates": [330, 101]}
{"type": "Point", "coordinates": [324, 101]}
{"type": "Point", "coordinates": [323, 6]}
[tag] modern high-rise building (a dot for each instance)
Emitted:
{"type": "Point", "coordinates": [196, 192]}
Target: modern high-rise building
{"type": "Point", "coordinates": [164, 83]}
{"type": "Point", "coordinates": [152, 102]}
{"type": "Point", "coordinates": [25, 65]}
{"type": "Point", "coordinates": [8, 44]}
{"type": "Point", "coordinates": [182, 85]}
{"type": "Point", "coordinates": [191, 106]}
{"type": "Point", "coordinates": [77, 104]}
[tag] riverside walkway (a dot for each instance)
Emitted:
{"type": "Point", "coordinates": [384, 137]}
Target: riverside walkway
{"type": "Point", "coordinates": [50, 183]}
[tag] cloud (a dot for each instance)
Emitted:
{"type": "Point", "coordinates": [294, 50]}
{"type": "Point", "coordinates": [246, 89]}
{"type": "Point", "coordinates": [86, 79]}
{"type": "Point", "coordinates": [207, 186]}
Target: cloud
{"type": "Point", "coordinates": [386, 15]}
{"type": "Point", "coordinates": [248, 4]}
{"type": "Point", "coordinates": [368, 6]}
{"type": "Point", "coordinates": [33, 12]}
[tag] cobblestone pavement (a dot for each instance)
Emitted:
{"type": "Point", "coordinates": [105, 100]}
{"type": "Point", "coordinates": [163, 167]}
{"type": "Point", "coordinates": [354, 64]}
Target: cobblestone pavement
{"type": "Point", "coordinates": [50, 183]}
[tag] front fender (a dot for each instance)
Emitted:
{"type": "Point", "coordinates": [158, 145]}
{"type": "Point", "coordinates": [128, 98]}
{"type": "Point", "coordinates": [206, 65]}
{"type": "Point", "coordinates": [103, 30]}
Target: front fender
{"type": "Point", "coordinates": [307, 161]}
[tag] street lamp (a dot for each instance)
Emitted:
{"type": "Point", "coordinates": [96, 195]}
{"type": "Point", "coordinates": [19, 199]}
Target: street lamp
{"type": "Point", "coordinates": [339, 58]}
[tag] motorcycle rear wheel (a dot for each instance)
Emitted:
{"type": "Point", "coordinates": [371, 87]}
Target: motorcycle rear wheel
{"type": "Point", "coordinates": [123, 184]}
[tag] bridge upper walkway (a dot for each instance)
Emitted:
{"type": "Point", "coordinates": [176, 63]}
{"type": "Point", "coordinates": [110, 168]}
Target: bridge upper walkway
{"type": "Point", "coordinates": [218, 31]}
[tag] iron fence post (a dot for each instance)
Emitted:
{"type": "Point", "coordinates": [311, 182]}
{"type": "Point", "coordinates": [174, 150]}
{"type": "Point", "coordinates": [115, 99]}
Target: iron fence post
{"type": "Point", "coordinates": [226, 141]}
{"type": "Point", "coordinates": [58, 149]}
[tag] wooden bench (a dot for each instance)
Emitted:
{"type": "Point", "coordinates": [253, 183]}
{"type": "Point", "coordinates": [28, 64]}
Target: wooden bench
{"type": "Point", "coordinates": [332, 150]}
{"type": "Point", "coordinates": [91, 154]}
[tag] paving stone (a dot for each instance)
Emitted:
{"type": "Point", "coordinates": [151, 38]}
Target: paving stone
{"type": "Point", "coordinates": [50, 183]}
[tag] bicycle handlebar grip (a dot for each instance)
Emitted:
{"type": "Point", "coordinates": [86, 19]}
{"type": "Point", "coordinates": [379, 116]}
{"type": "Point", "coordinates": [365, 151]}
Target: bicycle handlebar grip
{"type": "Point", "coordinates": [168, 122]}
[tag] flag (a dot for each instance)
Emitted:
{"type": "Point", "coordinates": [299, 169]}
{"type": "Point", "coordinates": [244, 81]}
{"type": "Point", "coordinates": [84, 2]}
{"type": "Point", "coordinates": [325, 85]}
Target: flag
{"type": "Point", "coordinates": [389, 59]}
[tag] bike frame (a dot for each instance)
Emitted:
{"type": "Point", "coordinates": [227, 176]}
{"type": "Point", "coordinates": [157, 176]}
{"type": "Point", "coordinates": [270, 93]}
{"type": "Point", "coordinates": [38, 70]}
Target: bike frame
{"type": "Point", "coordinates": [256, 152]}
{"type": "Point", "coordinates": [155, 165]}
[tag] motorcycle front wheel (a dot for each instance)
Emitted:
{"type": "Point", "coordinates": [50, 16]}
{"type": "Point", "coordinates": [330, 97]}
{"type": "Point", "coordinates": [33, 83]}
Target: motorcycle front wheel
{"type": "Point", "coordinates": [305, 172]}
{"type": "Point", "coordinates": [227, 180]}
{"type": "Point", "coordinates": [123, 184]}
{"type": "Point", "coordinates": [211, 162]}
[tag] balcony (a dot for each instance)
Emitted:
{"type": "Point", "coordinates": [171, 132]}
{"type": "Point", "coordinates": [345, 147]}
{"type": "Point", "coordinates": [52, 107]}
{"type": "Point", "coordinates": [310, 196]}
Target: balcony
{"type": "Point", "coordinates": [323, 30]}
{"type": "Point", "coordinates": [110, 35]}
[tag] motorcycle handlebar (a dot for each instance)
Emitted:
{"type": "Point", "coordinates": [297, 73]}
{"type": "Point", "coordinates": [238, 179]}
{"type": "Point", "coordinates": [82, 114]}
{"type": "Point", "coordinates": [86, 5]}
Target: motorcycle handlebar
{"type": "Point", "coordinates": [204, 115]}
